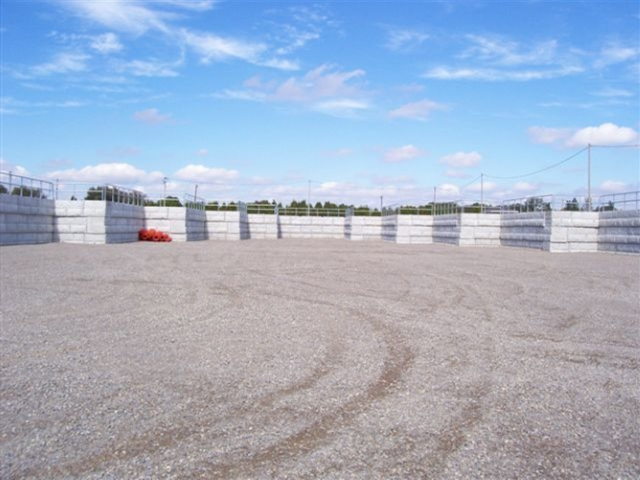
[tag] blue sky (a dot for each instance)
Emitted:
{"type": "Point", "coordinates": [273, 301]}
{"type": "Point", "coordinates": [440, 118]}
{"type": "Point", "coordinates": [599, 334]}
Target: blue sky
{"type": "Point", "coordinates": [253, 99]}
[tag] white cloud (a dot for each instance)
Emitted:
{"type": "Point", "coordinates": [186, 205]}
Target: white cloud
{"type": "Point", "coordinates": [605, 134]}
{"type": "Point", "coordinates": [106, 43]}
{"type": "Point", "coordinates": [66, 62]}
{"type": "Point", "coordinates": [118, 173]}
{"type": "Point", "coordinates": [614, 186]}
{"type": "Point", "coordinates": [546, 135]}
{"type": "Point", "coordinates": [7, 166]}
{"type": "Point", "coordinates": [486, 187]}
{"type": "Point", "coordinates": [525, 187]}
{"type": "Point", "coordinates": [461, 159]}
{"type": "Point", "coordinates": [321, 83]}
{"type": "Point", "coordinates": [417, 110]}
{"type": "Point", "coordinates": [447, 191]}
{"type": "Point", "coordinates": [152, 116]}
{"type": "Point", "coordinates": [338, 153]}
{"type": "Point", "coordinates": [196, 173]}
{"type": "Point", "coordinates": [456, 174]}
{"type": "Point", "coordinates": [203, 152]}
{"type": "Point", "coordinates": [402, 154]}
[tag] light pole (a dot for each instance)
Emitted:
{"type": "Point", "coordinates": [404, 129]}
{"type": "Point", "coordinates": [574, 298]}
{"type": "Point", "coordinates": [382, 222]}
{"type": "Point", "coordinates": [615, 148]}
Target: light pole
{"type": "Point", "coordinates": [309, 200]}
{"type": "Point", "coordinates": [164, 194]}
{"type": "Point", "coordinates": [482, 193]}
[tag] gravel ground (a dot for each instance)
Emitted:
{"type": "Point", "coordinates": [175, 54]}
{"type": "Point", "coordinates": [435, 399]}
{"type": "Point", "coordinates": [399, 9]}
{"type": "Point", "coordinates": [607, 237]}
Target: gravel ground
{"type": "Point", "coordinates": [317, 359]}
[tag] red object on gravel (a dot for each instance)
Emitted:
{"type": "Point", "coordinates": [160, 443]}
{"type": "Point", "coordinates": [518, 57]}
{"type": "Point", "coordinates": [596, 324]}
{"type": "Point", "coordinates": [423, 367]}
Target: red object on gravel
{"type": "Point", "coordinates": [153, 235]}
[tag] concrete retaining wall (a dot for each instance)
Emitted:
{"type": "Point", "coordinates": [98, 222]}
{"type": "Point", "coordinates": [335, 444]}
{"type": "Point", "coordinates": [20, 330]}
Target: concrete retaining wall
{"type": "Point", "coordinates": [96, 222]}
{"type": "Point", "coordinates": [363, 228]}
{"type": "Point", "coordinates": [619, 231]}
{"type": "Point", "coordinates": [227, 226]}
{"type": "Point", "coordinates": [478, 230]}
{"type": "Point", "coordinates": [571, 232]}
{"type": "Point", "coordinates": [524, 230]}
{"type": "Point", "coordinates": [25, 220]}
{"type": "Point", "coordinates": [263, 226]}
{"type": "Point", "coordinates": [290, 226]}
{"type": "Point", "coordinates": [446, 229]}
{"type": "Point", "coordinates": [407, 229]}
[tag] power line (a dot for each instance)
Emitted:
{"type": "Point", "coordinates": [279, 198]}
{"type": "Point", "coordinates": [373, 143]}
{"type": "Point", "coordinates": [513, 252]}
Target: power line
{"type": "Point", "coordinates": [541, 170]}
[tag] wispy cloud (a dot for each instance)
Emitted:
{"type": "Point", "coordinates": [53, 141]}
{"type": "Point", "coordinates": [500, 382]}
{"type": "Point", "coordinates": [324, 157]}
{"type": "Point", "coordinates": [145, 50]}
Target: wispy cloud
{"type": "Point", "coordinates": [324, 89]}
{"type": "Point", "coordinates": [402, 154]}
{"type": "Point", "coordinates": [150, 68]}
{"type": "Point", "coordinates": [212, 47]}
{"type": "Point", "coordinates": [506, 52]}
{"type": "Point", "coordinates": [152, 116]}
{"type": "Point", "coordinates": [461, 159]}
{"type": "Point", "coordinates": [496, 75]}
{"type": "Point", "coordinates": [417, 110]}
{"type": "Point", "coordinates": [498, 58]}
{"type": "Point", "coordinates": [66, 62]}
{"type": "Point", "coordinates": [615, 53]}
{"type": "Point", "coordinates": [399, 39]}
{"type": "Point", "coordinates": [106, 43]}
{"type": "Point", "coordinates": [610, 92]}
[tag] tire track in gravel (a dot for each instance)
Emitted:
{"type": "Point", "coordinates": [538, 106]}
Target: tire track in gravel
{"type": "Point", "coordinates": [163, 438]}
{"type": "Point", "coordinates": [398, 360]}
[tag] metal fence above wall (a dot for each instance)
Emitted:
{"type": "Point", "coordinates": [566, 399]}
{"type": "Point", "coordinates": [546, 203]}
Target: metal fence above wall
{"type": "Point", "coordinates": [13, 184]}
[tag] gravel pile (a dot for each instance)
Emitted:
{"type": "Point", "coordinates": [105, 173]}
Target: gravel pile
{"type": "Point", "coordinates": [317, 359]}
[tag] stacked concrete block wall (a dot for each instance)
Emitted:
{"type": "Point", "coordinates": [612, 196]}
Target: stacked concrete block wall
{"type": "Point", "coordinates": [523, 230]}
{"type": "Point", "coordinates": [479, 230]}
{"type": "Point", "coordinates": [227, 226]}
{"type": "Point", "coordinates": [96, 222]}
{"type": "Point", "coordinates": [25, 220]}
{"type": "Point", "coordinates": [619, 231]}
{"type": "Point", "coordinates": [407, 229]}
{"type": "Point", "coordinates": [262, 226]}
{"type": "Point", "coordinates": [291, 226]}
{"type": "Point", "coordinates": [389, 228]}
{"type": "Point", "coordinates": [571, 232]}
{"type": "Point", "coordinates": [80, 221]}
{"type": "Point", "coordinates": [171, 220]}
{"type": "Point", "coordinates": [446, 229]}
{"type": "Point", "coordinates": [363, 228]}
{"type": "Point", "coordinates": [196, 225]}
{"type": "Point", "coordinates": [123, 222]}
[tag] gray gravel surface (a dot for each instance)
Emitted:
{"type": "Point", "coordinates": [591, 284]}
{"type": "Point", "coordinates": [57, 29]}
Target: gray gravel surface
{"type": "Point", "coordinates": [317, 359]}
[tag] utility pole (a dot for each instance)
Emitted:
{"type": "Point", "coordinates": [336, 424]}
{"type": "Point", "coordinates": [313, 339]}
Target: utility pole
{"type": "Point", "coordinates": [381, 200]}
{"type": "Point", "coordinates": [195, 193]}
{"type": "Point", "coordinates": [309, 200]}
{"type": "Point", "coordinates": [433, 210]}
{"type": "Point", "coordinates": [482, 193]}
{"type": "Point", "coordinates": [589, 178]}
